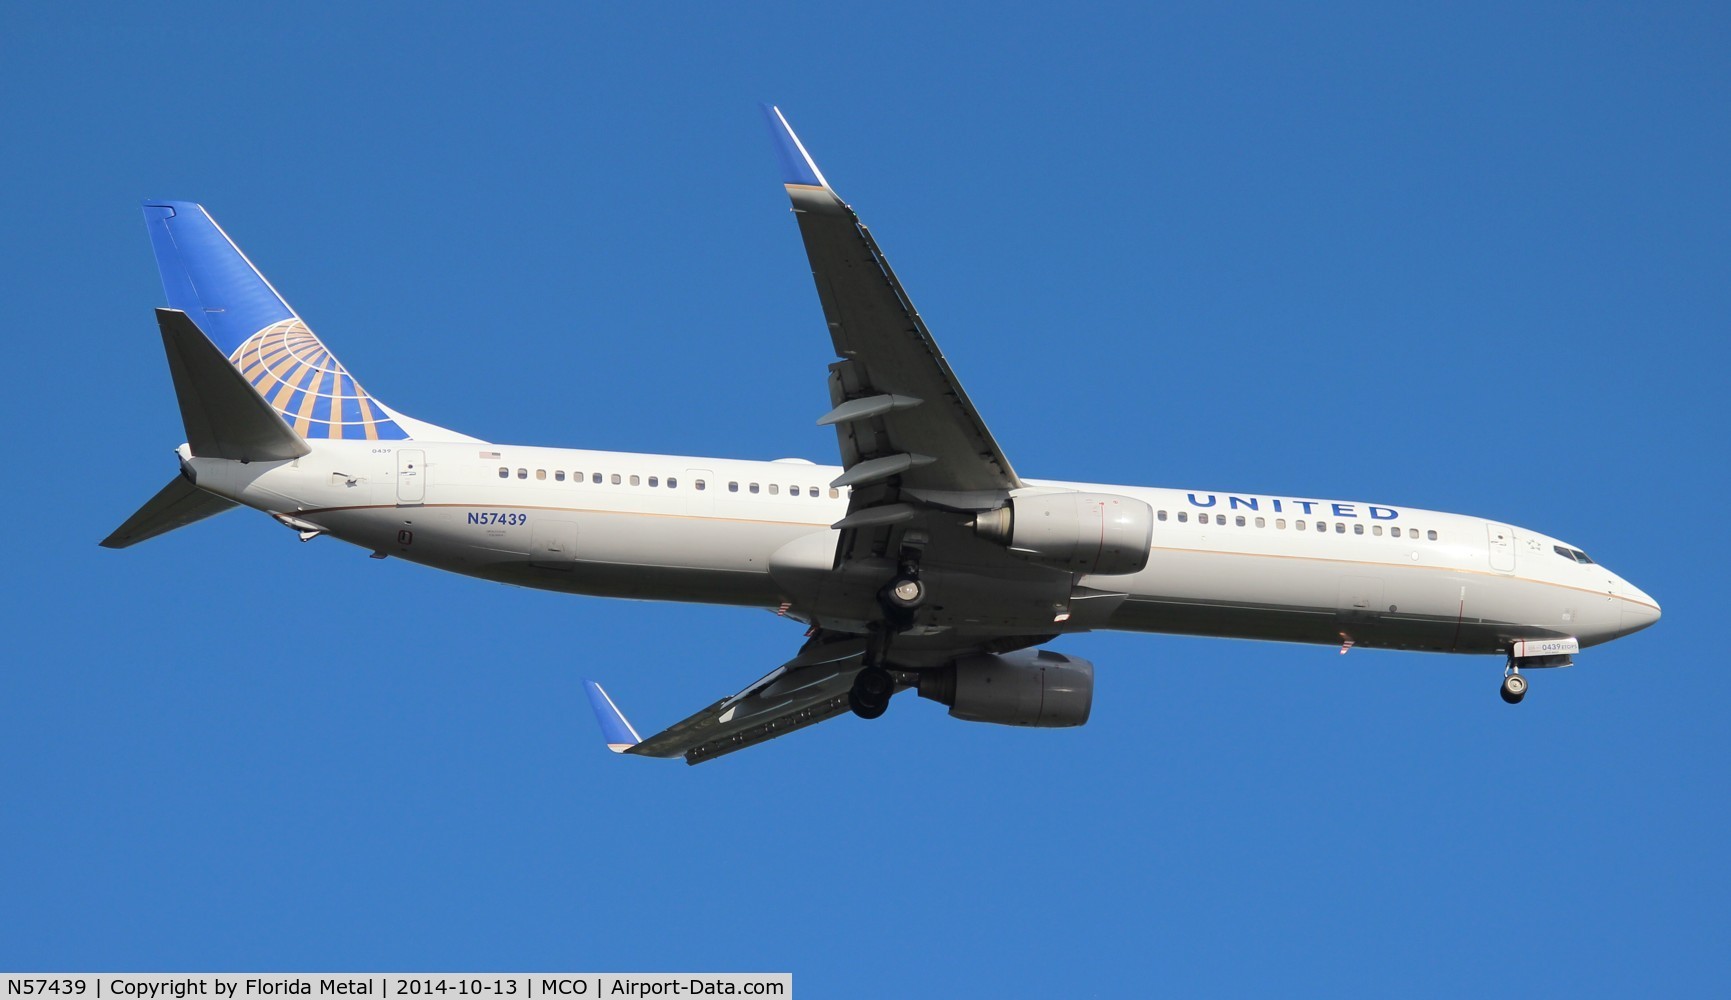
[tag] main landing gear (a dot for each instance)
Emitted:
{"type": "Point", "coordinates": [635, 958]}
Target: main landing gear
{"type": "Point", "coordinates": [900, 599]}
{"type": "Point", "coordinates": [905, 593]}
{"type": "Point", "coordinates": [872, 689]}
{"type": "Point", "coordinates": [1514, 685]}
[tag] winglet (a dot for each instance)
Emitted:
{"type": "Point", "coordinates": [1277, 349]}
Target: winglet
{"type": "Point", "coordinates": [805, 185]}
{"type": "Point", "coordinates": [615, 729]}
{"type": "Point", "coordinates": [796, 164]}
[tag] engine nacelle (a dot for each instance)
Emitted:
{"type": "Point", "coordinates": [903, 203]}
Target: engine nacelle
{"type": "Point", "coordinates": [1080, 532]}
{"type": "Point", "coordinates": [1030, 687]}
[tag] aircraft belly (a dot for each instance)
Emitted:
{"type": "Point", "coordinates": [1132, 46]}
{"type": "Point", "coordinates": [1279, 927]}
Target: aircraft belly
{"type": "Point", "coordinates": [1324, 601]}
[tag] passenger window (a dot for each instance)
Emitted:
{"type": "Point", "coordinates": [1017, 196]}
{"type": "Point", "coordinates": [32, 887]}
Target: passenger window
{"type": "Point", "coordinates": [635, 481]}
{"type": "Point", "coordinates": [698, 485]}
{"type": "Point", "coordinates": [558, 475]}
{"type": "Point", "coordinates": [654, 481]}
{"type": "Point", "coordinates": [614, 478]}
{"type": "Point", "coordinates": [673, 483]}
{"type": "Point", "coordinates": [1358, 529]}
{"type": "Point", "coordinates": [1260, 523]}
{"type": "Point", "coordinates": [1280, 523]}
{"type": "Point", "coordinates": [1182, 517]}
{"type": "Point", "coordinates": [753, 487]}
{"type": "Point", "coordinates": [774, 489]}
{"type": "Point", "coordinates": [1299, 525]}
{"type": "Point", "coordinates": [541, 474]}
{"type": "Point", "coordinates": [504, 473]}
{"type": "Point", "coordinates": [1394, 531]}
{"type": "Point", "coordinates": [1239, 520]}
{"type": "Point", "coordinates": [1430, 535]}
{"type": "Point", "coordinates": [522, 473]}
{"type": "Point", "coordinates": [833, 492]}
{"type": "Point", "coordinates": [733, 487]}
{"type": "Point", "coordinates": [793, 491]}
{"type": "Point", "coordinates": [1340, 527]}
{"type": "Point", "coordinates": [595, 478]}
{"type": "Point", "coordinates": [1161, 515]}
{"type": "Point", "coordinates": [1376, 529]}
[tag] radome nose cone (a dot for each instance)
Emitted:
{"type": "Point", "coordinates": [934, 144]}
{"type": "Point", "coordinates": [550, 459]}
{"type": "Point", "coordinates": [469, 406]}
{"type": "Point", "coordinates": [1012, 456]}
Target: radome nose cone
{"type": "Point", "coordinates": [1639, 611]}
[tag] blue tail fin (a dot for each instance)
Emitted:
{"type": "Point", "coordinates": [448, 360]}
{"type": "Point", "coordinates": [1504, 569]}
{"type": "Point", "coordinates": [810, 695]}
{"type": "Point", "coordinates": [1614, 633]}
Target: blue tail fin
{"type": "Point", "coordinates": [207, 277]}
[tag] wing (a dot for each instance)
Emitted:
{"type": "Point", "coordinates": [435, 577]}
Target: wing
{"type": "Point", "coordinates": [917, 457]}
{"type": "Point", "coordinates": [899, 409]}
{"type": "Point", "coordinates": [919, 463]}
{"type": "Point", "coordinates": [804, 691]}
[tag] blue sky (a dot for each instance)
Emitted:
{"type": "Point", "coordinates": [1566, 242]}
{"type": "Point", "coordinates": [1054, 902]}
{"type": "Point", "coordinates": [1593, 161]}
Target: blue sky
{"type": "Point", "coordinates": [1473, 260]}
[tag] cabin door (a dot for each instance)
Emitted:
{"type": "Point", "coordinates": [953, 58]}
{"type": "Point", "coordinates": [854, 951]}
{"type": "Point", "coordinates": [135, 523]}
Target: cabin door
{"type": "Point", "coordinates": [411, 476]}
{"type": "Point", "coordinates": [1502, 544]}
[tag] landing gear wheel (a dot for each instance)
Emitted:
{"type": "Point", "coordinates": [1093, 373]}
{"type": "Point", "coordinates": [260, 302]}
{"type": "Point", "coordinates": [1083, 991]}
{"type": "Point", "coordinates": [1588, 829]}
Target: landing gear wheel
{"type": "Point", "coordinates": [905, 593]}
{"type": "Point", "coordinates": [871, 692]}
{"type": "Point", "coordinates": [1514, 688]}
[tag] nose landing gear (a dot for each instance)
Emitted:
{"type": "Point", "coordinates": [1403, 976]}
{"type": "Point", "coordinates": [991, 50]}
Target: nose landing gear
{"type": "Point", "coordinates": [1535, 653]}
{"type": "Point", "coordinates": [1514, 686]}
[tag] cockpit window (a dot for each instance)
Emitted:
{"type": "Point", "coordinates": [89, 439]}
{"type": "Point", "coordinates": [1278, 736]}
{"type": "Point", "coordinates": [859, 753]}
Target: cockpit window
{"type": "Point", "coordinates": [1582, 557]}
{"type": "Point", "coordinates": [1575, 554]}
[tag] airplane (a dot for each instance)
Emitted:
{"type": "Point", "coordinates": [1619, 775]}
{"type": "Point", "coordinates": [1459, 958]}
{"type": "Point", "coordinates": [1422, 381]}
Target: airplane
{"type": "Point", "coordinates": [922, 562]}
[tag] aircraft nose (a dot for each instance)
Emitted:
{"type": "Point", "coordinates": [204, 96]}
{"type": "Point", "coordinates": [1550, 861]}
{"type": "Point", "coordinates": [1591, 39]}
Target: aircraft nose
{"type": "Point", "coordinates": [1639, 611]}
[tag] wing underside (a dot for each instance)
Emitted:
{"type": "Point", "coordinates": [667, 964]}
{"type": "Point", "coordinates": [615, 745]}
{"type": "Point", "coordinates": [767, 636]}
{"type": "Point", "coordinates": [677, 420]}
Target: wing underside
{"type": "Point", "coordinates": [919, 464]}
{"type": "Point", "coordinates": [804, 691]}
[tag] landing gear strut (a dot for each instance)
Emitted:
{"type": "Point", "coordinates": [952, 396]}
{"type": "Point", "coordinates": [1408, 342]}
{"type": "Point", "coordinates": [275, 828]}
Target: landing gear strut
{"type": "Point", "coordinates": [901, 600]}
{"type": "Point", "coordinates": [1514, 686]}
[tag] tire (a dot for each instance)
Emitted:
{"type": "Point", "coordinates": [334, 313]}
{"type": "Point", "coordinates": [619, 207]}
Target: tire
{"type": "Point", "coordinates": [872, 689]}
{"type": "Point", "coordinates": [1514, 688]}
{"type": "Point", "coordinates": [904, 593]}
{"type": "Point", "coordinates": [864, 711]}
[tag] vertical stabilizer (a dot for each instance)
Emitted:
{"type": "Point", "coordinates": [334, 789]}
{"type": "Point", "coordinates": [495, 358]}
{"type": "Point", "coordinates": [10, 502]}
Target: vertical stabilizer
{"type": "Point", "coordinates": [205, 276]}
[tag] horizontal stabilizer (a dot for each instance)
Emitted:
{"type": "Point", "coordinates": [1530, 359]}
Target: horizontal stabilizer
{"type": "Point", "coordinates": [225, 416]}
{"type": "Point", "coordinates": [175, 506]}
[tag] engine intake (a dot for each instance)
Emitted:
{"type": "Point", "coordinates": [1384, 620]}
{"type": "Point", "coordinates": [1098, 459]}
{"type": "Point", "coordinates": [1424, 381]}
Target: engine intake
{"type": "Point", "coordinates": [1031, 687]}
{"type": "Point", "coordinates": [1080, 532]}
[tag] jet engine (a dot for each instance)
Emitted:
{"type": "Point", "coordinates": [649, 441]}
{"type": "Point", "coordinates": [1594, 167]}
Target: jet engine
{"type": "Point", "coordinates": [1030, 687]}
{"type": "Point", "coordinates": [1080, 532]}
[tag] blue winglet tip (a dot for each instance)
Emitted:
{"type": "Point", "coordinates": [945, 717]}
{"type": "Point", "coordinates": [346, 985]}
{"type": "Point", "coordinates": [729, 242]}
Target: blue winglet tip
{"type": "Point", "coordinates": [796, 164]}
{"type": "Point", "coordinates": [615, 729]}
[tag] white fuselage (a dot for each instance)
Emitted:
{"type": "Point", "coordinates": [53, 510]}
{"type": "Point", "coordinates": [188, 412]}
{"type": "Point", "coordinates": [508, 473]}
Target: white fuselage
{"type": "Point", "coordinates": [717, 531]}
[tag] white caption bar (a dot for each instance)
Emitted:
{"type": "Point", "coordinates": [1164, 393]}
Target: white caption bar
{"type": "Point", "coordinates": [377, 985]}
